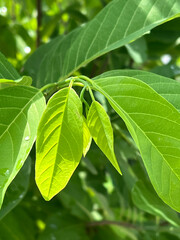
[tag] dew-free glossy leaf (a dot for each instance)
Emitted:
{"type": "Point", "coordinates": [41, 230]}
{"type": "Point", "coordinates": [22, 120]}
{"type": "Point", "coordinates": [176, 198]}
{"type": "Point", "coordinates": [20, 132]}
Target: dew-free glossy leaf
{"type": "Point", "coordinates": [145, 198]}
{"type": "Point", "coordinates": [119, 23]}
{"type": "Point", "coordinates": [155, 126]}
{"type": "Point", "coordinates": [6, 69]}
{"type": "Point", "coordinates": [101, 130]}
{"type": "Point", "coordinates": [166, 87]}
{"type": "Point", "coordinates": [59, 142]}
{"type": "Point", "coordinates": [21, 108]}
{"type": "Point", "coordinates": [86, 137]}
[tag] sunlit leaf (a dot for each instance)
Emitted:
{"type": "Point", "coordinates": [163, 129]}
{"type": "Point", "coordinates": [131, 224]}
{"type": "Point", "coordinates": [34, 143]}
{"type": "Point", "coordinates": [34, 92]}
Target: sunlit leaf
{"type": "Point", "coordinates": [119, 23]}
{"type": "Point", "coordinates": [21, 108]}
{"type": "Point", "coordinates": [100, 128]}
{"type": "Point", "coordinates": [155, 126]}
{"type": "Point", "coordinates": [59, 142]}
{"type": "Point", "coordinates": [86, 138]}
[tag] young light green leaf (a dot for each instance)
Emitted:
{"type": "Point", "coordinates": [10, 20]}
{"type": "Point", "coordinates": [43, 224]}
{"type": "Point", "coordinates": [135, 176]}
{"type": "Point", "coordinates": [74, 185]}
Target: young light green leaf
{"type": "Point", "coordinates": [6, 69]}
{"type": "Point", "coordinates": [166, 87]}
{"type": "Point", "coordinates": [119, 23]}
{"type": "Point", "coordinates": [155, 126]}
{"type": "Point", "coordinates": [101, 130]}
{"type": "Point", "coordinates": [59, 142]}
{"type": "Point", "coordinates": [146, 199]}
{"type": "Point", "coordinates": [86, 137]}
{"type": "Point", "coordinates": [21, 108]}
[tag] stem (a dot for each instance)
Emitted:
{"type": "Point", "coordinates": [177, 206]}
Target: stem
{"type": "Point", "coordinates": [86, 78]}
{"type": "Point", "coordinates": [51, 85]}
{"type": "Point", "coordinates": [106, 222]}
{"type": "Point", "coordinates": [91, 94]}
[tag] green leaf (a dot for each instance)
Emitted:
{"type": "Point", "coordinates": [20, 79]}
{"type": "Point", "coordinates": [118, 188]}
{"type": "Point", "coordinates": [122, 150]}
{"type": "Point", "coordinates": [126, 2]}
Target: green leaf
{"type": "Point", "coordinates": [101, 130]}
{"type": "Point", "coordinates": [21, 108]}
{"type": "Point", "coordinates": [119, 23]}
{"type": "Point", "coordinates": [25, 81]}
{"type": "Point", "coordinates": [86, 137]}
{"type": "Point", "coordinates": [17, 189]}
{"type": "Point", "coordinates": [138, 50]}
{"type": "Point", "coordinates": [155, 126]}
{"type": "Point", "coordinates": [11, 226]}
{"type": "Point", "coordinates": [6, 69]}
{"type": "Point", "coordinates": [166, 87]}
{"type": "Point", "coordinates": [59, 142]}
{"type": "Point", "coordinates": [145, 198]}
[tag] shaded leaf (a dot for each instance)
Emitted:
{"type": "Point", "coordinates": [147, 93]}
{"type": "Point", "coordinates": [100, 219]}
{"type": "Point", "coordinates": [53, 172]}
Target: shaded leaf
{"type": "Point", "coordinates": [6, 69]}
{"type": "Point", "coordinates": [145, 198]}
{"type": "Point", "coordinates": [17, 189]}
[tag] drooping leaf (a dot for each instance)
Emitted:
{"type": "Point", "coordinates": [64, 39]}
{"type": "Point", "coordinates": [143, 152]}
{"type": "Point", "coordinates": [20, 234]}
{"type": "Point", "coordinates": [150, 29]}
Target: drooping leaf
{"type": "Point", "coordinates": [166, 87]}
{"type": "Point", "coordinates": [17, 189]}
{"type": "Point", "coordinates": [101, 130]}
{"type": "Point", "coordinates": [145, 198]}
{"type": "Point", "coordinates": [86, 137]}
{"type": "Point", "coordinates": [59, 142]}
{"type": "Point", "coordinates": [21, 108]}
{"type": "Point", "coordinates": [155, 126]}
{"type": "Point", "coordinates": [6, 69]}
{"type": "Point", "coordinates": [119, 23]}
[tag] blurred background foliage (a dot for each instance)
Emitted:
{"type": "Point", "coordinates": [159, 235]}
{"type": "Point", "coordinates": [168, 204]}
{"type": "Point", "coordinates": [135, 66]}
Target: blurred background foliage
{"type": "Point", "coordinates": [98, 203]}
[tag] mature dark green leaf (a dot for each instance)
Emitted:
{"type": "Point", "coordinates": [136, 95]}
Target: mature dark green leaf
{"type": "Point", "coordinates": [12, 226]}
{"type": "Point", "coordinates": [6, 69]}
{"type": "Point", "coordinates": [59, 142]}
{"type": "Point", "coordinates": [138, 50]}
{"type": "Point", "coordinates": [155, 126]}
{"type": "Point", "coordinates": [117, 24]}
{"type": "Point", "coordinates": [166, 87]}
{"type": "Point", "coordinates": [101, 130]}
{"type": "Point", "coordinates": [21, 108]}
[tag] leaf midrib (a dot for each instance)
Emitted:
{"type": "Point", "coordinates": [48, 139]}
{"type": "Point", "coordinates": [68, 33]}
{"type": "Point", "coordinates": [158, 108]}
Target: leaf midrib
{"type": "Point", "coordinates": [51, 179]}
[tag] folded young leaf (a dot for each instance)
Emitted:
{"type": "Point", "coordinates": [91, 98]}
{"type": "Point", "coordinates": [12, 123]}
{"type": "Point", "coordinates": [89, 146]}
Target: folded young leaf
{"type": "Point", "coordinates": [155, 126]}
{"type": "Point", "coordinates": [101, 130]}
{"type": "Point", "coordinates": [119, 23]}
{"type": "Point", "coordinates": [166, 87]}
{"type": "Point", "coordinates": [21, 108]}
{"type": "Point", "coordinates": [59, 142]}
{"type": "Point", "coordinates": [86, 137]}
